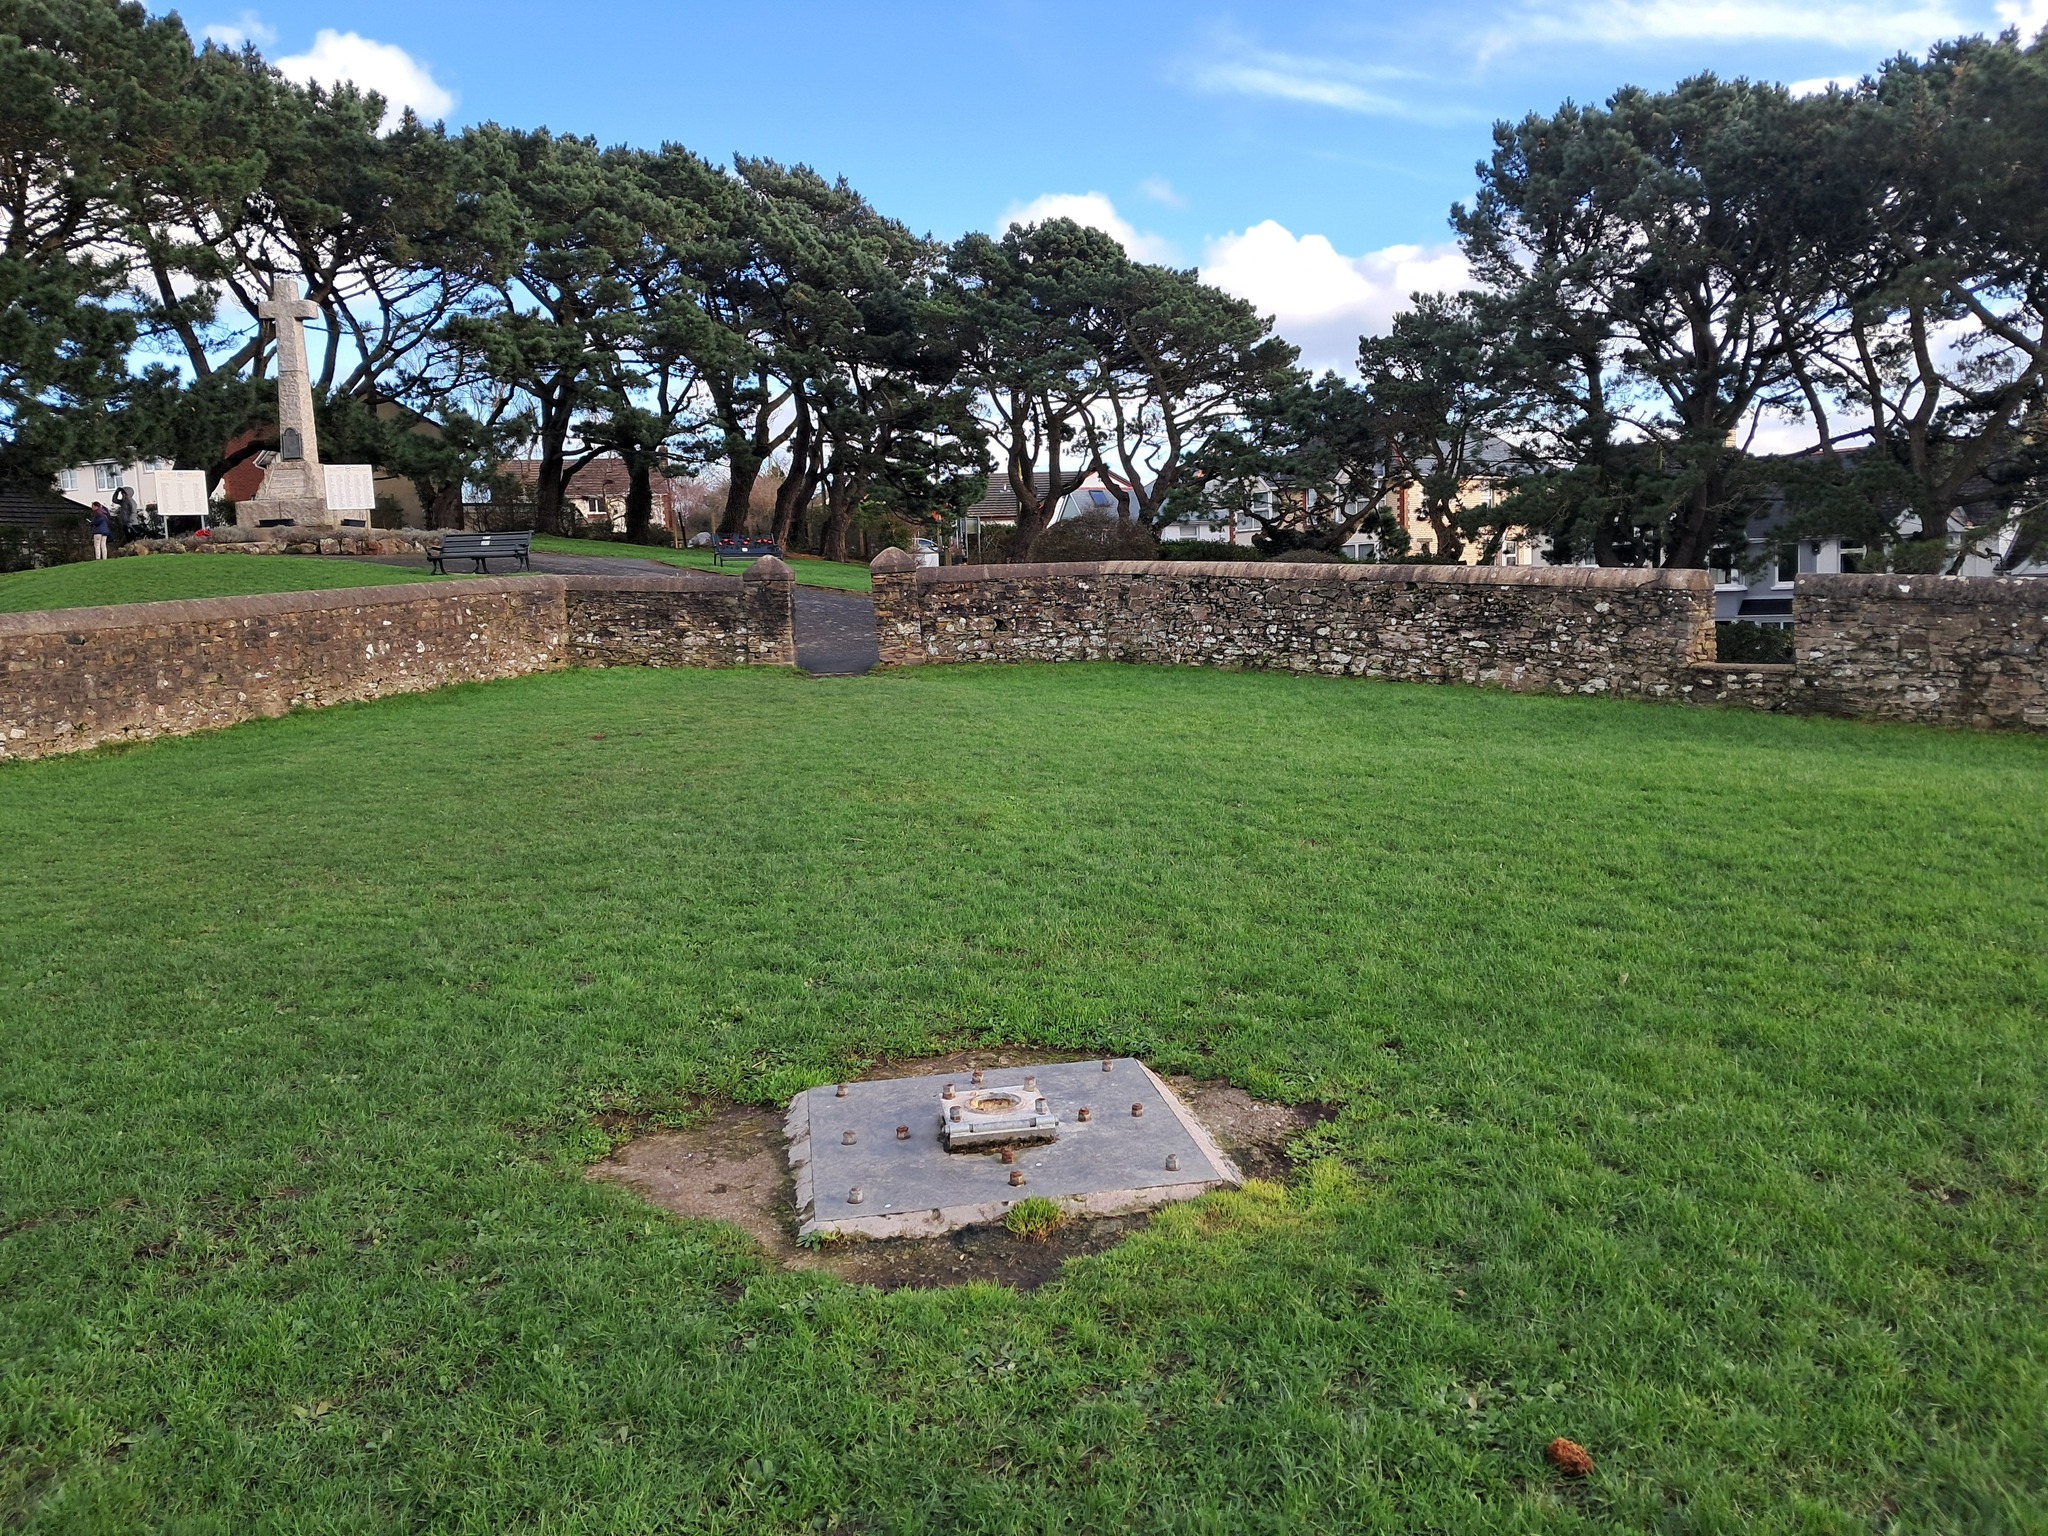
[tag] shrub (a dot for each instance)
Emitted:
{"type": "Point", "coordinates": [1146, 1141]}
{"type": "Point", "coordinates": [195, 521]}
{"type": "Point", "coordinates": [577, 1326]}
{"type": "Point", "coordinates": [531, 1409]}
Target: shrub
{"type": "Point", "coordinates": [1097, 536]}
{"type": "Point", "coordinates": [59, 541]}
{"type": "Point", "coordinates": [1739, 641]}
{"type": "Point", "coordinates": [1206, 549]}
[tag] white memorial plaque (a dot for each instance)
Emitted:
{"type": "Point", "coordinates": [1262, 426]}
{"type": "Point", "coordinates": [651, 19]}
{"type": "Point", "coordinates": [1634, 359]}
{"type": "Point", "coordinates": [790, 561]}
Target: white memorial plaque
{"type": "Point", "coordinates": [351, 488]}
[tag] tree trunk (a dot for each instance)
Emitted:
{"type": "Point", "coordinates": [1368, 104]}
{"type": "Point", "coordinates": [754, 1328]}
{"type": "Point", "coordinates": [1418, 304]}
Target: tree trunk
{"type": "Point", "coordinates": [639, 500]}
{"type": "Point", "coordinates": [549, 483]}
{"type": "Point", "coordinates": [1692, 541]}
{"type": "Point", "coordinates": [442, 504]}
{"type": "Point", "coordinates": [739, 496]}
{"type": "Point", "coordinates": [839, 503]}
{"type": "Point", "coordinates": [795, 491]}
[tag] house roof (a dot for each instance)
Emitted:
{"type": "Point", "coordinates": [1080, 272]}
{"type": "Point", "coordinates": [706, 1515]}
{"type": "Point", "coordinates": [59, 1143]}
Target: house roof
{"type": "Point", "coordinates": [999, 505]}
{"type": "Point", "coordinates": [28, 506]}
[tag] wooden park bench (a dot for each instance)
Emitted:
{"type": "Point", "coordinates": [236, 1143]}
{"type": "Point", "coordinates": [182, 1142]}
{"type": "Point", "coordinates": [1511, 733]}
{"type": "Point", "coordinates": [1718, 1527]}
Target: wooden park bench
{"type": "Point", "coordinates": [482, 548]}
{"type": "Point", "coordinates": [743, 550]}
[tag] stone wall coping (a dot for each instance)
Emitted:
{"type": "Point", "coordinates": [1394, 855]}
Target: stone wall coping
{"type": "Point", "coordinates": [1570, 577]}
{"type": "Point", "coordinates": [1989, 591]}
{"type": "Point", "coordinates": [262, 605]}
{"type": "Point", "coordinates": [1748, 668]}
{"type": "Point", "coordinates": [648, 581]}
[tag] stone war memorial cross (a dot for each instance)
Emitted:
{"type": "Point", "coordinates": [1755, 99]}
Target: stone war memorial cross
{"type": "Point", "coordinates": [295, 486]}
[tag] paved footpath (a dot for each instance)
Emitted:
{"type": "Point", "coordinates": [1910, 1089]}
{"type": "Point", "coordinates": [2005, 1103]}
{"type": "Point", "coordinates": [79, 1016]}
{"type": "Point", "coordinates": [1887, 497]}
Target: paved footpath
{"type": "Point", "coordinates": [835, 631]}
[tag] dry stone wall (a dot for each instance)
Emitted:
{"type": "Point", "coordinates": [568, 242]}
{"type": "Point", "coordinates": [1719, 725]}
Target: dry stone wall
{"type": "Point", "coordinates": [1635, 633]}
{"type": "Point", "coordinates": [1938, 650]}
{"type": "Point", "coordinates": [1943, 650]}
{"type": "Point", "coordinates": [82, 676]}
{"type": "Point", "coordinates": [708, 621]}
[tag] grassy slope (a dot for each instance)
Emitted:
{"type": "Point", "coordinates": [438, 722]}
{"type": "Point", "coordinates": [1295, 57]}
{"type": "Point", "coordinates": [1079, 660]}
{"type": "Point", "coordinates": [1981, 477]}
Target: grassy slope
{"type": "Point", "coordinates": [1691, 1067]}
{"type": "Point", "coordinates": [809, 571]}
{"type": "Point", "coordinates": [158, 578]}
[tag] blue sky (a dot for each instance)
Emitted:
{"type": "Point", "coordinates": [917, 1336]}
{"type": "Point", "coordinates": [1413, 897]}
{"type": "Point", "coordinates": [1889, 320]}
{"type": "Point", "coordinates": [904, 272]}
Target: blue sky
{"type": "Point", "coordinates": [1303, 154]}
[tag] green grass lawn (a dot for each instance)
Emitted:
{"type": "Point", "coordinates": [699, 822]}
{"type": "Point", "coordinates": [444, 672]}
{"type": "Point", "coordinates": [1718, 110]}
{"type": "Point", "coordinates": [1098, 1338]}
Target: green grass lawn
{"type": "Point", "coordinates": [810, 571]}
{"type": "Point", "coordinates": [160, 578]}
{"type": "Point", "coordinates": [1692, 1082]}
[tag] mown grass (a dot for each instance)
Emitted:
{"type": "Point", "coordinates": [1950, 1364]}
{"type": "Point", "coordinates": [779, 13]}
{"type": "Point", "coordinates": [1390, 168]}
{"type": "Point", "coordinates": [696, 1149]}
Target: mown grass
{"type": "Point", "coordinates": [162, 578]}
{"type": "Point", "coordinates": [810, 571]}
{"type": "Point", "coordinates": [1689, 1066]}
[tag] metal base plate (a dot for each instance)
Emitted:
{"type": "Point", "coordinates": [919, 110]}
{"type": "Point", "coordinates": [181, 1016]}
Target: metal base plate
{"type": "Point", "coordinates": [1110, 1164]}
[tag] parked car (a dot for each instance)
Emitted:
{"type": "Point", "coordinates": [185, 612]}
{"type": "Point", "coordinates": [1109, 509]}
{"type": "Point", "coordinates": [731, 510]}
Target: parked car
{"type": "Point", "coordinates": [927, 552]}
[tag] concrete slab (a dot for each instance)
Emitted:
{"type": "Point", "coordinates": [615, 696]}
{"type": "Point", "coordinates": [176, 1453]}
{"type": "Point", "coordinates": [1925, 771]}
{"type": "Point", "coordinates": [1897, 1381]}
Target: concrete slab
{"type": "Point", "coordinates": [1110, 1164]}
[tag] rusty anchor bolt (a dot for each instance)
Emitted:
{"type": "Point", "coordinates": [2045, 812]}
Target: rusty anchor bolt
{"type": "Point", "coordinates": [1137, 1111]}
{"type": "Point", "coordinates": [947, 1092]}
{"type": "Point", "coordinates": [1108, 1064]}
{"type": "Point", "coordinates": [1085, 1114]}
{"type": "Point", "coordinates": [846, 1138]}
{"type": "Point", "coordinates": [980, 1077]}
{"type": "Point", "coordinates": [1042, 1107]}
{"type": "Point", "coordinates": [854, 1196]}
{"type": "Point", "coordinates": [1016, 1176]}
{"type": "Point", "coordinates": [839, 1092]}
{"type": "Point", "coordinates": [954, 1113]}
{"type": "Point", "coordinates": [1031, 1085]}
{"type": "Point", "coordinates": [1009, 1154]}
{"type": "Point", "coordinates": [1173, 1162]}
{"type": "Point", "coordinates": [903, 1133]}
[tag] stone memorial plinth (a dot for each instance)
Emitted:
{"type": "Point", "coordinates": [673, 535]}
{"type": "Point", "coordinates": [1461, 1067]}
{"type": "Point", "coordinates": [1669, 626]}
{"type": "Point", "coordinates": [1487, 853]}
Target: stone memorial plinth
{"type": "Point", "coordinates": [295, 485]}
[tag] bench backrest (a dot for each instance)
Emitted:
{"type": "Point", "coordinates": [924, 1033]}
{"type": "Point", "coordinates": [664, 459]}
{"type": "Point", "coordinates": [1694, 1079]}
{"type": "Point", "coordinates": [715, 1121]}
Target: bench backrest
{"type": "Point", "coordinates": [749, 547]}
{"type": "Point", "coordinates": [486, 543]}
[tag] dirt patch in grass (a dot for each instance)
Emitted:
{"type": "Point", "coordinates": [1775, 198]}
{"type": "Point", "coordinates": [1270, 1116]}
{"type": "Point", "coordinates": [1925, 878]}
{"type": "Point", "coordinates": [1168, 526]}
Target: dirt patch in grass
{"type": "Point", "coordinates": [735, 1168]}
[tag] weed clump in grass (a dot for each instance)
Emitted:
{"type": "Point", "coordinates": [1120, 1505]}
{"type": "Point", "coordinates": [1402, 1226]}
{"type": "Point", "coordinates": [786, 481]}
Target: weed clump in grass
{"type": "Point", "coordinates": [1036, 1218]}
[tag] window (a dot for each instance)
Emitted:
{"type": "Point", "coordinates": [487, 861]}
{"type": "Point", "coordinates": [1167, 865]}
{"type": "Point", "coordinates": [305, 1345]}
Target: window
{"type": "Point", "coordinates": [1788, 564]}
{"type": "Point", "coordinates": [1852, 558]}
{"type": "Point", "coordinates": [106, 477]}
{"type": "Point", "coordinates": [68, 480]}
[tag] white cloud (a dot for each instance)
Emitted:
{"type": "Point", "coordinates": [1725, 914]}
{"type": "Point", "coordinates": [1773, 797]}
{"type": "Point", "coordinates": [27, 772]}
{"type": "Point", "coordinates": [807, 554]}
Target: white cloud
{"type": "Point", "coordinates": [1871, 25]}
{"type": "Point", "coordinates": [1160, 190]}
{"type": "Point", "coordinates": [1233, 67]}
{"type": "Point", "coordinates": [1820, 84]}
{"type": "Point", "coordinates": [1320, 299]}
{"type": "Point", "coordinates": [2029, 17]}
{"type": "Point", "coordinates": [245, 28]}
{"type": "Point", "coordinates": [384, 68]}
{"type": "Point", "coordinates": [1095, 211]}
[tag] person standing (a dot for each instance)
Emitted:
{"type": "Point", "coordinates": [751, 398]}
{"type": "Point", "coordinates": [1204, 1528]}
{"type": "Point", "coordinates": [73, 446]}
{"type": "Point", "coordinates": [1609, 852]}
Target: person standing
{"type": "Point", "coordinates": [102, 525]}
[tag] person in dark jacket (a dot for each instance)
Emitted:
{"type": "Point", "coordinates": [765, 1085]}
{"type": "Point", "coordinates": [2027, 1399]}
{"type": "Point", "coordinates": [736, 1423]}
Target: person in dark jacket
{"type": "Point", "coordinates": [126, 517]}
{"type": "Point", "coordinates": [102, 525]}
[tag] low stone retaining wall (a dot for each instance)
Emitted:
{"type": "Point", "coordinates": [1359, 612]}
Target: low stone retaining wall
{"type": "Point", "coordinates": [290, 541]}
{"type": "Point", "coordinates": [82, 676]}
{"type": "Point", "coordinates": [1938, 650]}
{"type": "Point", "coordinates": [1944, 650]}
{"type": "Point", "coordinates": [695, 620]}
{"type": "Point", "coordinates": [1765, 685]}
{"type": "Point", "coordinates": [1565, 629]}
